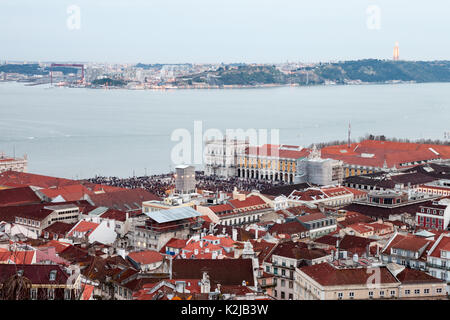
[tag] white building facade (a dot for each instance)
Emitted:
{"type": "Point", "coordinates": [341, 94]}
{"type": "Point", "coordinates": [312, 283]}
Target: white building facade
{"type": "Point", "coordinates": [221, 156]}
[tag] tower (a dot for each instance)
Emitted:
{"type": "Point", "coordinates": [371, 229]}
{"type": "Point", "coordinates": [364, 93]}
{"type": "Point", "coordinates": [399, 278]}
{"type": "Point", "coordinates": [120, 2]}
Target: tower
{"type": "Point", "coordinates": [396, 52]}
{"type": "Point", "coordinates": [185, 179]}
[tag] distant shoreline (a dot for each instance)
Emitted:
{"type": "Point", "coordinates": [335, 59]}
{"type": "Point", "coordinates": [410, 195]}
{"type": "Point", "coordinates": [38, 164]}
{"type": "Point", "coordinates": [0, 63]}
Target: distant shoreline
{"type": "Point", "coordinates": [227, 87]}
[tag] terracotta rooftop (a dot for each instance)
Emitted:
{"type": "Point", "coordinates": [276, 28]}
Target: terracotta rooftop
{"type": "Point", "coordinates": [59, 227]}
{"type": "Point", "coordinates": [86, 227]}
{"type": "Point", "coordinates": [326, 275]}
{"type": "Point", "coordinates": [126, 200]}
{"type": "Point", "coordinates": [407, 242]}
{"type": "Point", "coordinates": [409, 276]}
{"type": "Point", "coordinates": [375, 153]}
{"type": "Point", "coordinates": [298, 251]}
{"type": "Point", "coordinates": [29, 179]}
{"type": "Point", "coordinates": [36, 273]}
{"type": "Point", "coordinates": [283, 151]}
{"type": "Point", "coordinates": [18, 196]}
{"type": "Point", "coordinates": [291, 227]}
{"type": "Point", "coordinates": [224, 271]}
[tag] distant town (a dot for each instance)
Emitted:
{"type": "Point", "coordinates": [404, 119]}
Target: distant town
{"type": "Point", "coordinates": [214, 76]}
{"type": "Point", "coordinates": [362, 220]}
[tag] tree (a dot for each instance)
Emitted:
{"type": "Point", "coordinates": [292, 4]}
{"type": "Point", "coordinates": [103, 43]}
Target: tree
{"type": "Point", "coordinates": [16, 287]}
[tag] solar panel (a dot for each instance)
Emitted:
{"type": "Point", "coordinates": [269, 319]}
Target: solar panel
{"type": "Point", "coordinates": [174, 214]}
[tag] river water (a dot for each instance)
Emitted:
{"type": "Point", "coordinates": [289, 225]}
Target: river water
{"type": "Point", "coordinates": [80, 133]}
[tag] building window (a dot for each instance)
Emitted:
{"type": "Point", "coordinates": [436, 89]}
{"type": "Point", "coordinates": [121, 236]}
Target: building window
{"type": "Point", "coordinates": [51, 294]}
{"type": "Point", "coordinates": [407, 291]}
{"type": "Point", "coordinates": [439, 290]}
{"type": "Point", "coordinates": [340, 295]}
{"type": "Point", "coordinates": [67, 294]}
{"type": "Point", "coordinates": [381, 293]}
{"type": "Point", "coordinates": [33, 294]}
{"type": "Point", "coordinates": [392, 293]}
{"type": "Point", "coordinates": [370, 294]}
{"type": "Point", "coordinates": [417, 291]}
{"type": "Point", "coordinates": [283, 282]}
{"type": "Point", "coordinates": [351, 295]}
{"type": "Point", "coordinates": [426, 291]}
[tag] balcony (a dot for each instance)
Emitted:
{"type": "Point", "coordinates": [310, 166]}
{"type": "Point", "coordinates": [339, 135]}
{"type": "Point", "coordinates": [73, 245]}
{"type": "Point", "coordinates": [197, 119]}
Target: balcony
{"type": "Point", "coordinates": [267, 285]}
{"type": "Point", "coordinates": [438, 266]}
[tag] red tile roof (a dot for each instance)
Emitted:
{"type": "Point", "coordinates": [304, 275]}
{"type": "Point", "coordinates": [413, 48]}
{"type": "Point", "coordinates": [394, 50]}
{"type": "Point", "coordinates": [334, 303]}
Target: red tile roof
{"type": "Point", "coordinates": [146, 257]}
{"type": "Point", "coordinates": [18, 196]}
{"type": "Point", "coordinates": [29, 211]}
{"type": "Point", "coordinates": [58, 245]}
{"type": "Point", "coordinates": [291, 227]}
{"type": "Point", "coordinates": [407, 242]}
{"type": "Point", "coordinates": [443, 243]}
{"type": "Point", "coordinates": [410, 276]}
{"type": "Point", "coordinates": [394, 153]}
{"type": "Point", "coordinates": [174, 243]}
{"type": "Point", "coordinates": [312, 217]}
{"type": "Point", "coordinates": [326, 275]}
{"type": "Point", "coordinates": [60, 228]}
{"type": "Point", "coordinates": [221, 208]}
{"type": "Point", "coordinates": [298, 251]}
{"type": "Point", "coordinates": [114, 215]}
{"type": "Point", "coordinates": [125, 200]}
{"type": "Point", "coordinates": [248, 202]}
{"type": "Point", "coordinates": [88, 290]}
{"type": "Point", "coordinates": [14, 178]}
{"type": "Point", "coordinates": [224, 271]}
{"type": "Point", "coordinates": [38, 274]}
{"type": "Point", "coordinates": [17, 257]}
{"type": "Point", "coordinates": [84, 227]}
{"type": "Point", "coordinates": [68, 192]}
{"type": "Point", "coordinates": [355, 244]}
{"type": "Point", "coordinates": [283, 151]}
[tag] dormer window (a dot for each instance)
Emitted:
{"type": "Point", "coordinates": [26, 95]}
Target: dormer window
{"type": "Point", "coordinates": [52, 275]}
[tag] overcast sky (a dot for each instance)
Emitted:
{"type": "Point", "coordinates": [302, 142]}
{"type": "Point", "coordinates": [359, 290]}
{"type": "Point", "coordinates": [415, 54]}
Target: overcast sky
{"type": "Point", "coordinates": [208, 31]}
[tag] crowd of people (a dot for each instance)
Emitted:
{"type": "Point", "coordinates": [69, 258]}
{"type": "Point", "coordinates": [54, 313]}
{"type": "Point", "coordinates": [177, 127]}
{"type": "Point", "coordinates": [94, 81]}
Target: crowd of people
{"type": "Point", "coordinates": [159, 184]}
{"type": "Point", "coordinates": [213, 183]}
{"type": "Point", "coordinates": [156, 184]}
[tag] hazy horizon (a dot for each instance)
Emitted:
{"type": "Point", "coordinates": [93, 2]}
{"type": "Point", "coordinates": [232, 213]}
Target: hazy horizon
{"type": "Point", "coordinates": [204, 31]}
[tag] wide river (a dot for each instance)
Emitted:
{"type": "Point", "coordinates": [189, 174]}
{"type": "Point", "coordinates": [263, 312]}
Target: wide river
{"type": "Point", "coordinates": [80, 133]}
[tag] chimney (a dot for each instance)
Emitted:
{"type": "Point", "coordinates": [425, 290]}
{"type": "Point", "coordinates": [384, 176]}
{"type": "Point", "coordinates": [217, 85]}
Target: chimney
{"type": "Point", "coordinates": [234, 234]}
{"type": "Point", "coordinates": [205, 285]}
{"type": "Point", "coordinates": [337, 249]}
